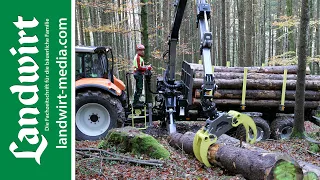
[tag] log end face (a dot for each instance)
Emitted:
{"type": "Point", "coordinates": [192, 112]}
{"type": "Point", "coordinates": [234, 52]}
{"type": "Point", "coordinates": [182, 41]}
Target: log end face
{"type": "Point", "coordinates": [213, 149]}
{"type": "Point", "coordinates": [285, 170]}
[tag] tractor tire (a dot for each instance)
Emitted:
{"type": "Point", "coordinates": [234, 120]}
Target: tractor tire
{"type": "Point", "coordinates": [96, 114]}
{"type": "Point", "coordinates": [263, 130]}
{"type": "Point", "coordinates": [281, 127]}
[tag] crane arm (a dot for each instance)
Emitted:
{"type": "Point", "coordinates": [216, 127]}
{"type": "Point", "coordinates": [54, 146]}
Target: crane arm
{"type": "Point", "coordinates": [217, 123]}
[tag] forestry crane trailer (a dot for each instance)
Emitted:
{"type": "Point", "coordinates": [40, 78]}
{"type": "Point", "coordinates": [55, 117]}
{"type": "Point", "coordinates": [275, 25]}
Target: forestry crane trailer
{"type": "Point", "coordinates": [175, 96]}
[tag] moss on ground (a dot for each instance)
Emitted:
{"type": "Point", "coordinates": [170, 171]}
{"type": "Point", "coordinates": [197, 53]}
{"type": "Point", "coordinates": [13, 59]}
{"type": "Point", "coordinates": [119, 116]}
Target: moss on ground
{"type": "Point", "coordinates": [129, 139]}
{"type": "Point", "coordinates": [297, 135]}
{"type": "Point", "coordinates": [148, 145]}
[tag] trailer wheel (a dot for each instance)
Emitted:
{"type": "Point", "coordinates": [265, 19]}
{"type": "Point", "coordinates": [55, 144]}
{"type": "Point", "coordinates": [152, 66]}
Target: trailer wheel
{"type": "Point", "coordinates": [263, 130]}
{"type": "Point", "coordinates": [281, 127]}
{"type": "Point", "coordinates": [96, 114]}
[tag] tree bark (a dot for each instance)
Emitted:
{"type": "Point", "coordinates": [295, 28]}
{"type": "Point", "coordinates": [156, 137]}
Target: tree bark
{"type": "Point", "coordinates": [291, 42]}
{"type": "Point", "coordinates": [248, 33]}
{"type": "Point", "coordinates": [258, 103]}
{"type": "Point", "coordinates": [241, 44]}
{"type": "Point", "coordinates": [264, 94]}
{"type": "Point", "coordinates": [251, 163]}
{"type": "Point", "coordinates": [223, 33]}
{"type": "Point", "coordinates": [81, 41]}
{"type": "Point", "coordinates": [233, 75]}
{"type": "Point", "coordinates": [298, 125]}
{"type": "Point", "coordinates": [265, 84]}
{"type": "Point", "coordinates": [266, 69]}
{"type": "Point", "coordinates": [279, 31]}
{"type": "Point", "coordinates": [144, 28]}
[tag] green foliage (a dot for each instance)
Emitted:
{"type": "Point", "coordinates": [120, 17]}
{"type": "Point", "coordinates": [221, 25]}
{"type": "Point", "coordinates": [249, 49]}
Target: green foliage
{"type": "Point", "coordinates": [314, 147]}
{"type": "Point", "coordinates": [290, 58]}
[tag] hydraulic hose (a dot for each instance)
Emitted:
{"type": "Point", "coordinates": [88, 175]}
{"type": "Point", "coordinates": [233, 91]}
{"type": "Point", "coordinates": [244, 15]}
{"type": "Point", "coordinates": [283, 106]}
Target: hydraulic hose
{"type": "Point", "coordinates": [166, 83]}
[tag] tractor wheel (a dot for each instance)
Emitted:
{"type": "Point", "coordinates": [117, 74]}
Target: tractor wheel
{"type": "Point", "coordinates": [96, 114]}
{"type": "Point", "coordinates": [263, 130]}
{"type": "Point", "coordinates": [281, 127]}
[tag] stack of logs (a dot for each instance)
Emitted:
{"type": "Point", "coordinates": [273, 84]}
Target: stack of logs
{"type": "Point", "coordinates": [263, 86]}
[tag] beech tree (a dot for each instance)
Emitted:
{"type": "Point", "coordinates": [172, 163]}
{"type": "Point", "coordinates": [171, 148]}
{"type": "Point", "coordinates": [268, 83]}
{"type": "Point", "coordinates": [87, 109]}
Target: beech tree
{"type": "Point", "coordinates": [298, 125]}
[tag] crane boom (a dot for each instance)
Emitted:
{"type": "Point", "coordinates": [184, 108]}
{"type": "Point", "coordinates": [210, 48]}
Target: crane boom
{"type": "Point", "coordinates": [217, 123]}
{"type": "Point", "coordinates": [174, 37]}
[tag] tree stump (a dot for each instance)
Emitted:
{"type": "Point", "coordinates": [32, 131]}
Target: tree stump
{"type": "Point", "coordinates": [130, 139]}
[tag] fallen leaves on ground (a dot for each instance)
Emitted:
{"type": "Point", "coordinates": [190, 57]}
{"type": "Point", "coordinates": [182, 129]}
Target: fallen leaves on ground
{"type": "Point", "coordinates": [180, 165]}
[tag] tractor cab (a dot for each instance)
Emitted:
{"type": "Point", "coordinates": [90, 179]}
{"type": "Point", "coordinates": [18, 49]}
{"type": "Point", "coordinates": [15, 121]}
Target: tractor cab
{"type": "Point", "coordinates": [100, 96]}
{"type": "Point", "coordinates": [94, 62]}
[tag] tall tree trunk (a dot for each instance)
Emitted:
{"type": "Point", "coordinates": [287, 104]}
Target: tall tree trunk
{"type": "Point", "coordinates": [279, 32]}
{"type": "Point", "coordinates": [144, 28]}
{"type": "Point", "coordinates": [81, 32]}
{"type": "Point", "coordinates": [298, 126]}
{"type": "Point", "coordinates": [218, 26]}
{"type": "Point", "coordinates": [228, 4]}
{"type": "Point", "coordinates": [145, 39]}
{"type": "Point", "coordinates": [263, 36]}
{"type": "Point", "coordinates": [223, 33]}
{"type": "Point", "coordinates": [213, 30]}
{"type": "Point", "coordinates": [77, 25]}
{"type": "Point", "coordinates": [317, 45]}
{"type": "Point", "coordinates": [248, 33]}
{"type": "Point", "coordinates": [291, 43]}
{"type": "Point", "coordinates": [234, 35]}
{"type": "Point", "coordinates": [91, 38]}
{"type": "Point", "coordinates": [241, 42]}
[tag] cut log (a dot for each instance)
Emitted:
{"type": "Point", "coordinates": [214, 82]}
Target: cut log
{"type": "Point", "coordinates": [265, 84]}
{"type": "Point", "coordinates": [225, 139]}
{"type": "Point", "coordinates": [263, 94]}
{"type": "Point", "coordinates": [232, 75]}
{"type": "Point", "coordinates": [253, 165]}
{"type": "Point", "coordinates": [257, 103]}
{"type": "Point", "coordinates": [266, 69]}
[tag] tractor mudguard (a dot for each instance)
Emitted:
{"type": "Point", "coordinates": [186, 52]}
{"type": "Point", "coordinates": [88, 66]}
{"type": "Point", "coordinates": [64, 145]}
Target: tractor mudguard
{"type": "Point", "coordinates": [205, 137]}
{"type": "Point", "coordinates": [98, 83]}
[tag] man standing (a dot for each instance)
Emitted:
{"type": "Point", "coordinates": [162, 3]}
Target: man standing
{"type": "Point", "coordinates": [139, 70]}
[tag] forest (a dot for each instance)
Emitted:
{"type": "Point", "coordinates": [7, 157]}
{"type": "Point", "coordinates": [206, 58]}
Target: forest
{"type": "Point", "coordinates": [245, 33]}
{"type": "Point", "coordinates": [266, 59]}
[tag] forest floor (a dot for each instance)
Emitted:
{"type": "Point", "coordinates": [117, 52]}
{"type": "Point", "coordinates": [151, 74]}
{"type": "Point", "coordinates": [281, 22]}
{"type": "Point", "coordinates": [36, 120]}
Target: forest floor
{"type": "Point", "coordinates": [181, 165]}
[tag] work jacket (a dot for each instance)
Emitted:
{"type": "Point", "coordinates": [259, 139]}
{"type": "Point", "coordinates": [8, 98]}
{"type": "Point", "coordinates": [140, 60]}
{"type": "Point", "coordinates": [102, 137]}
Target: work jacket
{"type": "Point", "coordinates": [138, 64]}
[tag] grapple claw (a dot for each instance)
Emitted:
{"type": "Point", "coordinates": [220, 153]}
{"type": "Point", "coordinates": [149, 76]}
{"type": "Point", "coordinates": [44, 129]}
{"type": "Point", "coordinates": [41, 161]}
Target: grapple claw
{"type": "Point", "coordinates": [247, 122]}
{"type": "Point", "coordinates": [201, 144]}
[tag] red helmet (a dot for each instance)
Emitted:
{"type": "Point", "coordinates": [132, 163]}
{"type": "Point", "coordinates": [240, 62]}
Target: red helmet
{"type": "Point", "coordinates": [140, 47]}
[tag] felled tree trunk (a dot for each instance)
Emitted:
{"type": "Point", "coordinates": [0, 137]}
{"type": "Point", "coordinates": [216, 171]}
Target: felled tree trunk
{"type": "Point", "coordinates": [265, 84]}
{"type": "Point", "coordinates": [232, 75]}
{"type": "Point", "coordinates": [258, 103]}
{"type": "Point", "coordinates": [263, 94]}
{"type": "Point", "coordinates": [251, 163]}
{"type": "Point", "coordinates": [266, 69]}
